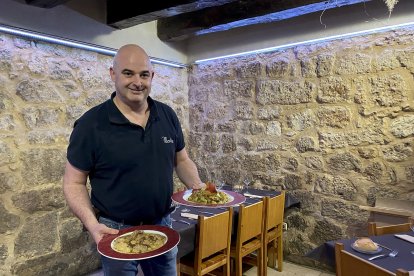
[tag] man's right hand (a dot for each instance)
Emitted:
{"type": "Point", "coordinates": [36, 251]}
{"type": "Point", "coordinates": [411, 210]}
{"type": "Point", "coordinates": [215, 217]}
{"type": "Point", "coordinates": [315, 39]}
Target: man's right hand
{"type": "Point", "coordinates": [99, 230]}
{"type": "Point", "coordinates": [199, 186]}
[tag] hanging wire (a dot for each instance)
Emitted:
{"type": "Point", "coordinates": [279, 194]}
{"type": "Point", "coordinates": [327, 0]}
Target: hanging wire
{"type": "Point", "coordinates": [326, 7]}
{"type": "Point", "coordinates": [390, 4]}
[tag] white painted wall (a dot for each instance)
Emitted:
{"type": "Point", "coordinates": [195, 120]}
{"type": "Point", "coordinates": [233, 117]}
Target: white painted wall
{"type": "Point", "coordinates": [65, 21]}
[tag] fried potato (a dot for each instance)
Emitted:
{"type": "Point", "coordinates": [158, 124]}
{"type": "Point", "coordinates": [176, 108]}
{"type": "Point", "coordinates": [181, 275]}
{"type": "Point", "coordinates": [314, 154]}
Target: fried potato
{"type": "Point", "coordinates": [138, 242]}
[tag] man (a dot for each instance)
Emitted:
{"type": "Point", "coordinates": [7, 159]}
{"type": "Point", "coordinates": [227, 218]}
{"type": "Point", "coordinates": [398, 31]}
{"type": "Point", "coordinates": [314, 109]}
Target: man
{"type": "Point", "coordinates": [129, 147]}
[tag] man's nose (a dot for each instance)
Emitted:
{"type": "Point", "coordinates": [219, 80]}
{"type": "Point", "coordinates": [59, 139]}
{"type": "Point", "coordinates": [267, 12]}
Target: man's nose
{"type": "Point", "coordinates": [137, 80]}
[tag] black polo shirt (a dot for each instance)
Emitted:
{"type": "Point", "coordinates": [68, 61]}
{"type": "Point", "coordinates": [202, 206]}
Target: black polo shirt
{"type": "Point", "coordinates": [130, 168]}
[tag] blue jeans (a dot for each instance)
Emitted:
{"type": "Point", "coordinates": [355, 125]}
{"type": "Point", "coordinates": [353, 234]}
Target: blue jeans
{"type": "Point", "coordinates": [163, 265]}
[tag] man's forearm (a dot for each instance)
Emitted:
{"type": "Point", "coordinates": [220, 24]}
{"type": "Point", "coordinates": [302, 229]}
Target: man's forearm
{"type": "Point", "coordinates": [188, 174]}
{"type": "Point", "coordinates": [79, 202]}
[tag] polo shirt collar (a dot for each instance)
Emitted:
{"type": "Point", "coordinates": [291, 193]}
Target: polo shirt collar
{"type": "Point", "coordinates": [115, 116]}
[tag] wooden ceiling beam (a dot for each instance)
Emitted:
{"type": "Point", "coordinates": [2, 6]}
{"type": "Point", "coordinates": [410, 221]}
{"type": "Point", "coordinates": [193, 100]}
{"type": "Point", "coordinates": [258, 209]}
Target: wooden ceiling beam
{"type": "Point", "coordinates": [238, 14]}
{"type": "Point", "coordinates": [138, 12]}
{"type": "Point", "coordinates": [47, 4]}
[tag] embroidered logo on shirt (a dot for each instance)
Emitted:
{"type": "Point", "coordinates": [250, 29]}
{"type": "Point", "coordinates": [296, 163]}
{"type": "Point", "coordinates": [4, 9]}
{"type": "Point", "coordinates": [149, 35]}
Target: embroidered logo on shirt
{"type": "Point", "coordinates": [167, 141]}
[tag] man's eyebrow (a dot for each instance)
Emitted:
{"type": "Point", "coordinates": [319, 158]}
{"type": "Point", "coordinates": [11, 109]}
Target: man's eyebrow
{"type": "Point", "coordinates": [126, 70]}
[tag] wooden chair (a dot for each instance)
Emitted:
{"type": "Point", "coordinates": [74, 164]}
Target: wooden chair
{"type": "Point", "coordinates": [273, 234]}
{"type": "Point", "coordinates": [212, 250]}
{"type": "Point", "coordinates": [351, 265]}
{"type": "Point", "coordinates": [374, 230]}
{"type": "Point", "coordinates": [249, 238]}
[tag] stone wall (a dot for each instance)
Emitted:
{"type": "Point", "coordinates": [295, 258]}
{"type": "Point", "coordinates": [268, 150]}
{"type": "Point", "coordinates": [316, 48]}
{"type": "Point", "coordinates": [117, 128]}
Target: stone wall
{"type": "Point", "coordinates": [43, 89]}
{"type": "Point", "coordinates": [332, 123]}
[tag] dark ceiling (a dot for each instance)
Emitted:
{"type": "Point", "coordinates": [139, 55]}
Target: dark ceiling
{"type": "Point", "coordinates": [181, 19]}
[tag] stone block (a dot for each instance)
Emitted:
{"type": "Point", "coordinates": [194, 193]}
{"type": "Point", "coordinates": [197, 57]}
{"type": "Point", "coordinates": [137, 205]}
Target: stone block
{"type": "Point", "coordinates": [305, 144]}
{"type": "Point", "coordinates": [284, 92]}
{"type": "Point", "coordinates": [7, 123]}
{"type": "Point", "coordinates": [9, 221]}
{"type": "Point", "coordinates": [343, 162]}
{"type": "Point", "coordinates": [7, 182]}
{"type": "Point", "coordinates": [228, 143]}
{"type": "Point", "coordinates": [45, 199]}
{"type": "Point", "coordinates": [249, 70]}
{"type": "Point", "coordinates": [334, 90]}
{"type": "Point", "coordinates": [342, 211]}
{"type": "Point", "coordinates": [72, 236]}
{"type": "Point", "coordinates": [7, 154]}
{"type": "Point", "coordinates": [38, 236]}
{"type": "Point", "coordinates": [239, 88]}
{"type": "Point", "coordinates": [325, 65]}
{"type": "Point", "coordinates": [269, 112]}
{"type": "Point", "coordinates": [337, 117]}
{"type": "Point", "coordinates": [40, 117]}
{"type": "Point", "coordinates": [403, 126]}
{"type": "Point", "coordinates": [36, 91]}
{"type": "Point", "coordinates": [42, 166]}
{"type": "Point", "coordinates": [279, 67]}
{"type": "Point", "coordinates": [326, 230]}
{"type": "Point", "coordinates": [336, 185]}
{"type": "Point", "coordinates": [389, 89]}
{"type": "Point", "coordinates": [314, 162]}
{"type": "Point", "coordinates": [301, 120]}
{"type": "Point", "coordinates": [351, 63]}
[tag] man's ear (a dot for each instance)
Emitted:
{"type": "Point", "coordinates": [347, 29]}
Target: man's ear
{"type": "Point", "coordinates": [112, 73]}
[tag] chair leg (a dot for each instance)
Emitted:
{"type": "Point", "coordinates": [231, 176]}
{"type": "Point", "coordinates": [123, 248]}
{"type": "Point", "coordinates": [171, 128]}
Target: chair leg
{"type": "Point", "coordinates": [239, 265]}
{"type": "Point", "coordinates": [264, 263]}
{"type": "Point", "coordinates": [260, 262]}
{"type": "Point", "coordinates": [226, 269]}
{"type": "Point", "coordinates": [271, 254]}
{"type": "Point", "coordinates": [178, 267]}
{"type": "Point", "coordinates": [279, 254]}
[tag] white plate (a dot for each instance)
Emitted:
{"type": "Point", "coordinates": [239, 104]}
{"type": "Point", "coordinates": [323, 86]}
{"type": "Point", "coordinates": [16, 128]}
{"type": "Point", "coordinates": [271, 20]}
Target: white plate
{"type": "Point", "coordinates": [182, 198]}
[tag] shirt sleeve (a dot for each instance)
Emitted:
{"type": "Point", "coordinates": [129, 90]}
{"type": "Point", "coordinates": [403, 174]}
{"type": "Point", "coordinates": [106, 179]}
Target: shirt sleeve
{"type": "Point", "coordinates": [180, 143]}
{"type": "Point", "coordinates": [80, 152]}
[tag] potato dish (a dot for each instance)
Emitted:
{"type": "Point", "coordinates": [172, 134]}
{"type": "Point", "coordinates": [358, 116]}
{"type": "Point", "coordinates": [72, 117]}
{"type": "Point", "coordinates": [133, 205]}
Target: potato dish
{"type": "Point", "coordinates": [138, 242]}
{"type": "Point", "coordinates": [207, 197]}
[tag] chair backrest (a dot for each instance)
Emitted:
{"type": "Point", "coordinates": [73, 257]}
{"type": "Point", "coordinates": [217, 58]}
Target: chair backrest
{"type": "Point", "coordinates": [250, 221]}
{"type": "Point", "coordinates": [275, 207]}
{"type": "Point", "coordinates": [351, 265]}
{"type": "Point", "coordinates": [214, 234]}
{"type": "Point", "coordinates": [375, 230]}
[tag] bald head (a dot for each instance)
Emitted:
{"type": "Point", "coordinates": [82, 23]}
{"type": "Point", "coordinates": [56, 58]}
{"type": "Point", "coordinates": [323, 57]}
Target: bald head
{"type": "Point", "coordinates": [132, 75]}
{"type": "Point", "coordinates": [131, 52]}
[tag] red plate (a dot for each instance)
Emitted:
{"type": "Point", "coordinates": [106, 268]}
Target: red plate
{"type": "Point", "coordinates": [105, 248]}
{"type": "Point", "coordinates": [181, 198]}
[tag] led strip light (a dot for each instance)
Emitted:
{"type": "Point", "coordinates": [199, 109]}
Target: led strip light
{"type": "Point", "coordinates": [329, 38]}
{"type": "Point", "coordinates": [76, 44]}
{"type": "Point", "coordinates": [111, 51]}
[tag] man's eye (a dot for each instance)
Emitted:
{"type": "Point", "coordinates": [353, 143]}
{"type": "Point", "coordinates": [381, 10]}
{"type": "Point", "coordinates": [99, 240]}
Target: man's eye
{"type": "Point", "coordinates": [145, 75]}
{"type": "Point", "coordinates": [128, 74]}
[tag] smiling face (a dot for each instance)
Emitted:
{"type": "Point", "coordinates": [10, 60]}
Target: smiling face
{"type": "Point", "coordinates": [132, 74]}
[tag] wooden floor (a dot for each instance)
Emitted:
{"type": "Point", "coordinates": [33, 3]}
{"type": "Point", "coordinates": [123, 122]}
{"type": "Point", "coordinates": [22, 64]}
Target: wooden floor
{"type": "Point", "coordinates": [289, 269]}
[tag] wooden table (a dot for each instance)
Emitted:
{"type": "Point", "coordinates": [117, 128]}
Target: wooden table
{"type": "Point", "coordinates": [188, 232]}
{"type": "Point", "coordinates": [405, 260]}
